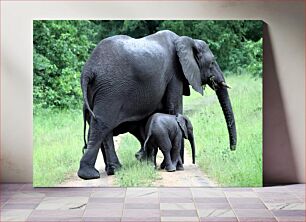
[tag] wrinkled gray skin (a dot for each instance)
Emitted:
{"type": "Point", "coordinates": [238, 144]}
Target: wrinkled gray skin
{"type": "Point", "coordinates": [167, 132]}
{"type": "Point", "coordinates": [126, 80]}
{"type": "Point", "coordinates": [135, 128]}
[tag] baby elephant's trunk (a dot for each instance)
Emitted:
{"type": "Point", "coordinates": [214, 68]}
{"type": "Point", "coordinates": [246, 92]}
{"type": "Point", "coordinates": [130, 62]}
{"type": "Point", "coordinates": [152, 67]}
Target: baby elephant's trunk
{"type": "Point", "coordinates": [191, 140]}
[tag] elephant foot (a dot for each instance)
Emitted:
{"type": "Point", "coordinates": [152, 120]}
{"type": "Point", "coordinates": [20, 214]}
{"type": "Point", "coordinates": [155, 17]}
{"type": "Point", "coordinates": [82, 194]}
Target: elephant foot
{"type": "Point", "coordinates": [170, 168]}
{"type": "Point", "coordinates": [233, 147]}
{"type": "Point", "coordinates": [111, 169]}
{"type": "Point", "coordinates": [88, 173]}
{"type": "Point", "coordinates": [179, 167]}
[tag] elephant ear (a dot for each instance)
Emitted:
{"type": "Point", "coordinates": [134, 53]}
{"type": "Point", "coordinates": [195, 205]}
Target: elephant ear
{"type": "Point", "coordinates": [182, 123]}
{"type": "Point", "coordinates": [185, 47]}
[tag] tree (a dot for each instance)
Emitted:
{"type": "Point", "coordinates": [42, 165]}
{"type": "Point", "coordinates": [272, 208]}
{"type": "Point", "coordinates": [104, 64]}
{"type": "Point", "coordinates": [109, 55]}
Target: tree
{"type": "Point", "coordinates": [60, 51]}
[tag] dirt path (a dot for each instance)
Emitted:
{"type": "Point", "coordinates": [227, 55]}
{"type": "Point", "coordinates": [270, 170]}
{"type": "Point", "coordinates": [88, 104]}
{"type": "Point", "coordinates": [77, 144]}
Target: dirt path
{"type": "Point", "coordinates": [192, 176]}
{"type": "Point", "coordinates": [103, 181]}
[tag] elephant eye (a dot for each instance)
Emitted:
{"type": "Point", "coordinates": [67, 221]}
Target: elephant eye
{"type": "Point", "coordinates": [213, 62]}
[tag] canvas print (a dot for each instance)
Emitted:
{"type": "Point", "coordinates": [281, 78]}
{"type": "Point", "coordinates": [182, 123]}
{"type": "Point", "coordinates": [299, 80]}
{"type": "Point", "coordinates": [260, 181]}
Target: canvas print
{"type": "Point", "coordinates": [163, 103]}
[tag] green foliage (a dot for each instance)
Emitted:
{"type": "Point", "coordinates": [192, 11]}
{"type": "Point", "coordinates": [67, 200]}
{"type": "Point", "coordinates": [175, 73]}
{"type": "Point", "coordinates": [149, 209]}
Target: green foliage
{"type": "Point", "coordinates": [253, 52]}
{"type": "Point", "coordinates": [60, 51]}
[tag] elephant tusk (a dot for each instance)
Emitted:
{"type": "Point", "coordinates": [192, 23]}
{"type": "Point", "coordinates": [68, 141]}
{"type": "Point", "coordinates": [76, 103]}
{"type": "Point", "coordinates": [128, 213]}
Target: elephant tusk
{"type": "Point", "coordinates": [225, 85]}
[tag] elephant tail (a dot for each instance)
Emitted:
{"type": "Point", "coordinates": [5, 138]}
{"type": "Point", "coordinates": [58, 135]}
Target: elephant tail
{"type": "Point", "coordinates": [145, 145]}
{"type": "Point", "coordinates": [85, 80]}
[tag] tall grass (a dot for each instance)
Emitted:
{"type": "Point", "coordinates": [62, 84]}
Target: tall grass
{"type": "Point", "coordinates": [242, 167]}
{"type": "Point", "coordinates": [57, 146]}
{"type": "Point", "coordinates": [133, 172]}
{"type": "Point", "coordinates": [58, 142]}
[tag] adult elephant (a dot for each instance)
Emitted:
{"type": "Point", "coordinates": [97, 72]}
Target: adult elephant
{"type": "Point", "coordinates": [125, 80]}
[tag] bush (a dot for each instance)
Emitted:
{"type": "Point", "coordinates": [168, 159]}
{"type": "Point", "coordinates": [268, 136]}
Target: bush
{"type": "Point", "coordinates": [60, 51]}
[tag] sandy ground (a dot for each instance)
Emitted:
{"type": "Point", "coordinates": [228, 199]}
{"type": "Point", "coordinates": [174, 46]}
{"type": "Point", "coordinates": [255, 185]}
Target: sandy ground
{"type": "Point", "coordinates": [191, 176]}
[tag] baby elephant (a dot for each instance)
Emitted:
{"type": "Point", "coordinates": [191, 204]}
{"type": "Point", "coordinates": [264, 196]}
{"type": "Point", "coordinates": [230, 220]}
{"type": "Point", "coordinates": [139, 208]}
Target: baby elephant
{"type": "Point", "coordinates": [166, 132]}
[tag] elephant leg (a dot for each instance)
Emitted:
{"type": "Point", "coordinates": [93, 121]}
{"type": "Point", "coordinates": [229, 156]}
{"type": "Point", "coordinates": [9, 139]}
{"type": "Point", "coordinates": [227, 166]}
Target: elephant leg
{"type": "Point", "coordinates": [175, 153]}
{"type": "Point", "coordinates": [104, 155]}
{"type": "Point", "coordinates": [179, 165]}
{"type": "Point", "coordinates": [151, 151]}
{"type": "Point", "coordinates": [165, 146]}
{"type": "Point", "coordinates": [155, 154]}
{"type": "Point", "coordinates": [87, 170]}
{"type": "Point", "coordinates": [139, 133]}
{"type": "Point", "coordinates": [163, 164]}
{"type": "Point", "coordinates": [102, 149]}
{"type": "Point", "coordinates": [169, 166]}
{"type": "Point", "coordinates": [112, 161]}
{"type": "Point", "coordinates": [174, 105]}
{"type": "Point", "coordinates": [87, 164]}
{"type": "Point", "coordinates": [182, 150]}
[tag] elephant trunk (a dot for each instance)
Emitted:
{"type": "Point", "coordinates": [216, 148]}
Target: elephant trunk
{"type": "Point", "coordinates": [225, 103]}
{"type": "Point", "coordinates": [191, 140]}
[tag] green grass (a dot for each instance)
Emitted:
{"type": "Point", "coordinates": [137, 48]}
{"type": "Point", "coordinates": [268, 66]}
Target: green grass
{"type": "Point", "coordinates": [133, 173]}
{"type": "Point", "coordinates": [242, 167]}
{"type": "Point", "coordinates": [57, 146]}
{"type": "Point", "coordinates": [58, 149]}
